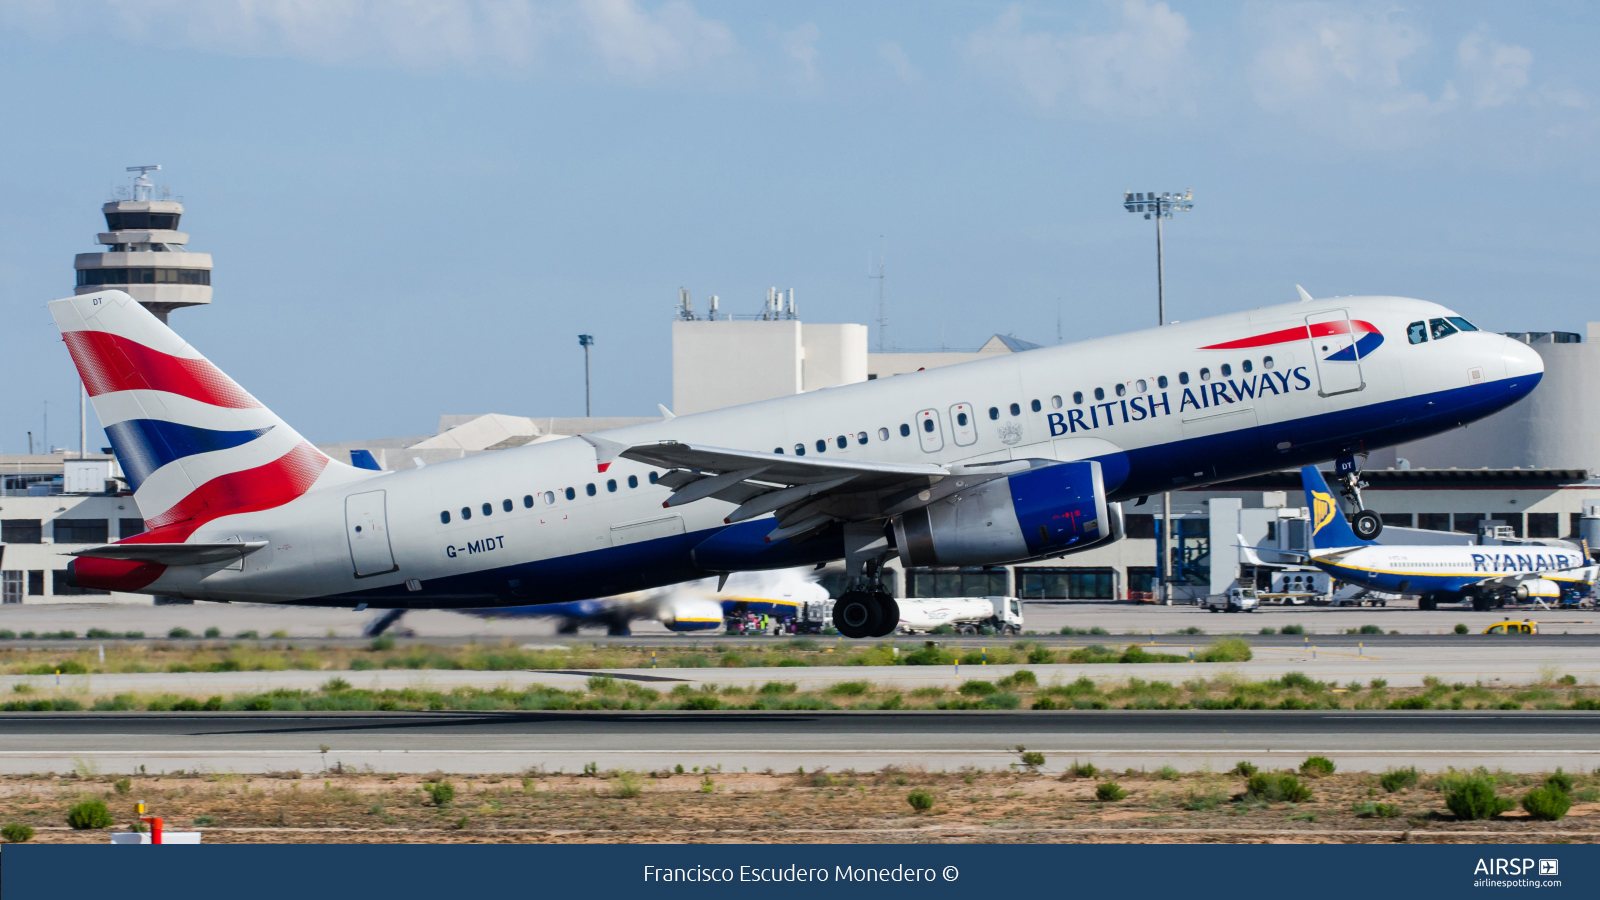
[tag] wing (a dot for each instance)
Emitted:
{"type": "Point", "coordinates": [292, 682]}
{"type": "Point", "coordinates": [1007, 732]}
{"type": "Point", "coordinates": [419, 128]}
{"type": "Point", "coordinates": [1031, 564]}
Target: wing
{"type": "Point", "coordinates": [1579, 574]}
{"type": "Point", "coordinates": [175, 554]}
{"type": "Point", "coordinates": [805, 494]}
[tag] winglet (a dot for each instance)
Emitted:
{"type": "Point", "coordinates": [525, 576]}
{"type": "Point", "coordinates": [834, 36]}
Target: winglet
{"type": "Point", "coordinates": [1304, 297]}
{"type": "Point", "coordinates": [665, 413]}
{"type": "Point", "coordinates": [605, 452]}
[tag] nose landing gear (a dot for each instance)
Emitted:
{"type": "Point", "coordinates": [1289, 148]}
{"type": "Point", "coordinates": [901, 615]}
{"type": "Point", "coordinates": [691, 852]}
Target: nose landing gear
{"type": "Point", "coordinates": [1365, 523]}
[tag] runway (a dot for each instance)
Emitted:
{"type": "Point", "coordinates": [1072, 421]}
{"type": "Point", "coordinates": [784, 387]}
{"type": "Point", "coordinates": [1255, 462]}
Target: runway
{"type": "Point", "coordinates": [481, 743]}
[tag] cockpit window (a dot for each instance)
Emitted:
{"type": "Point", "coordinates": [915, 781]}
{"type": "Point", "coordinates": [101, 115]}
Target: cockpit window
{"type": "Point", "coordinates": [1462, 324]}
{"type": "Point", "coordinates": [1441, 329]}
{"type": "Point", "coordinates": [1417, 332]}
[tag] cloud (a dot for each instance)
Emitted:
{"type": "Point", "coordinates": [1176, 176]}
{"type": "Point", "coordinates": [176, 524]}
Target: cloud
{"type": "Point", "coordinates": [628, 40]}
{"type": "Point", "coordinates": [1491, 73]}
{"type": "Point", "coordinates": [892, 53]}
{"type": "Point", "coordinates": [800, 46]}
{"type": "Point", "coordinates": [1139, 67]}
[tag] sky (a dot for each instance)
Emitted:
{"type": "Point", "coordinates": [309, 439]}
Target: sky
{"type": "Point", "coordinates": [415, 206]}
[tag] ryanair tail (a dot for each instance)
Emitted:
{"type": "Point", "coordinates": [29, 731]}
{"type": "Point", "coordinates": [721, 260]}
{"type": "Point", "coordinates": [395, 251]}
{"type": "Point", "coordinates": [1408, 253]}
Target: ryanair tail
{"type": "Point", "coordinates": [192, 444]}
{"type": "Point", "coordinates": [1329, 527]}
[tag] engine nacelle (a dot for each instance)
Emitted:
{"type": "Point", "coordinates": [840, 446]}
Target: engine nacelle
{"type": "Point", "coordinates": [691, 614]}
{"type": "Point", "coordinates": [1542, 588]}
{"type": "Point", "coordinates": [1050, 509]}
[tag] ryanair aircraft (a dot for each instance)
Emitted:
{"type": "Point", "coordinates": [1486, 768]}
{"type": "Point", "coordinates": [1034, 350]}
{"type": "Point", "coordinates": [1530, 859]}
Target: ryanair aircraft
{"type": "Point", "coordinates": [1002, 460]}
{"type": "Point", "coordinates": [1489, 576]}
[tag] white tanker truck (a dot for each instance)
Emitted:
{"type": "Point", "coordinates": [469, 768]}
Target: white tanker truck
{"type": "Point", "coordinates": [965, 614]}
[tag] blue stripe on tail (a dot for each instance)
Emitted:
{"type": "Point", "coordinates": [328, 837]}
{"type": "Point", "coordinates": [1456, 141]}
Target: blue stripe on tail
{"type": "Point", "coordinates": [145, 445]}
{"type": "Point", "coordinates": [1329, 528]}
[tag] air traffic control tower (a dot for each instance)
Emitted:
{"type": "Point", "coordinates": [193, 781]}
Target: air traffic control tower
{"type": "Point", "coordinates": [146, 255]}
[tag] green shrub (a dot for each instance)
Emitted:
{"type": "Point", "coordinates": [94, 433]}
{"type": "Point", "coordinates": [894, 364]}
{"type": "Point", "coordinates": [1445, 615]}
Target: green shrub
{"type": "Point", "coordinates": [1292, 629]}
{"type": "Point", "coordinates": [1559, 781]}
{"type": "Point", "coordinates": [1041, 655]}
{"type": "Point", "coordinates": [1371, 810]}
{"type": "Point", "coordinates": [213, 632]}
{"type": "Point", "coordinates": [1370, 629]}
{"type": "Point", "coordinates": [1244, 768]}
{"type": "Point", "coordinates": [1547, 804]}
{"type": "Point", "coordinates": [250, 635]}
{"type": "Point", "coordinates": [1273, 787]}
{"type": "Point", "coordinates": [977, 688]}
{"type": "Point", "coordinates": [362, 665]}
{"type": "Point", "coordinates": [628, 784]}
{"type": "Point", "coordinates": [1044, 703]}
{"type": "Point", "coordinates": [1109, 792]}
{"type": "Point", "coordinates": [1019, 678]}
{"type": "Point", "coordinates": [1475, 798]}
{"type": "Point", "coordinates": [7, 634]}
{"type": "Point", "coordinates": [778, 687]}
{"type": "Point", "coordinates": [100, 634]}
{"type": "Point", "coordinates": [1317, 767]}
{"type": "Point", "coordinates": [1200, 801]}
{"type": "Point", "coordinates": [89, 814]}
{"type": "Point", "coordinates": [1228, 650]}
{"type": "Point", "coordinates": [180, 633]}
{"type": "Point", "coordinates": [335, 685]}
{"type": "Point", "coordinates": [1396, 780]}
{"type": "Point", "coordinates": [123, 785]}
{"type": "Point", "coordinates": [381, 642]}
{"type": "Point", "coordinates": [929, 656]}
{"type": "Point", "coordinates": [1411, 703]}
{"type": "Point", "coordinates": [920, 800]}
{"type": "Point", "coordinates": [848, 688]}
{"type": "Point", "coordinates": [1461, 628]}
{"type": "Point", "coordinates": [16, 834]}
{"type": "Point", "coordinates": [1031, 758]}
{"type": "Point", "coordinates": [1268, 630]}
{"type": "Point", "coordinates": [1082, 770]}
{"type": "Point", "coordinates": [701, 702]}
{"type": "Point", "coordinates": [1168, 773]}
{"type": "Point", "coordinates": [1301, 681]}
{"type": "Point", "coordinates": [442, 793]}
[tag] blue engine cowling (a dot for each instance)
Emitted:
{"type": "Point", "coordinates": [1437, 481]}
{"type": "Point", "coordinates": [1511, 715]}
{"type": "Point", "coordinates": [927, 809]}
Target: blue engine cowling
{"type": "Point", "coordinates": [1051, 509]}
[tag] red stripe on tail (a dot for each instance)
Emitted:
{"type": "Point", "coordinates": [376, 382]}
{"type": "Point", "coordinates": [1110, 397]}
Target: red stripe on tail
{"type": "Point", "coordinates": [110, 363]}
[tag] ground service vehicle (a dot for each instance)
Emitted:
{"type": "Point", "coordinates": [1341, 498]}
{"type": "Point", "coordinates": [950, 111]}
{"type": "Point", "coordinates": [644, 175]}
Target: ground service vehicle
{"type": "Point", "coordinates": [1233, 600]}
{"type": "Point", "coordinates": [1002, 615]}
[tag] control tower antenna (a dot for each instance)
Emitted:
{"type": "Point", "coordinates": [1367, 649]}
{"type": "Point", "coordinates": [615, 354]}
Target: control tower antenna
{"type": "Point", "coordinates": [883, 313]}
{"type": "Point", "coordinates": [142, 185]}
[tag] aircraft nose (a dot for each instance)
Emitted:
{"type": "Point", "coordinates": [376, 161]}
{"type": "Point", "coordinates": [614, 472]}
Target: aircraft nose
{"type": "Point", "coordinates": [1521, 359]}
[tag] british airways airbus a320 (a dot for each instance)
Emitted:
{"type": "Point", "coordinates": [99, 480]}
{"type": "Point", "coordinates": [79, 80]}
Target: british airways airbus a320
{"type": "Point", "coordinates": [996, 461]}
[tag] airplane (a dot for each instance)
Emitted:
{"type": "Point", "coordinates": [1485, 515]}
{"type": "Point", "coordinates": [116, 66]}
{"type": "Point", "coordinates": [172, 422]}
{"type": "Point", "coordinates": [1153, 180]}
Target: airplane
{"type": "Point", "coordinates": [1488, 576]}
{"type": "Point", "coordinates": [1021, 457]}
{"type": "Point", "coordinates": [690, 607]}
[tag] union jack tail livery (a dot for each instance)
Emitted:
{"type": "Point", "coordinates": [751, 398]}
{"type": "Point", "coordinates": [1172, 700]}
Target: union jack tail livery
{"type": "Point", "coordinates": [193, 445]}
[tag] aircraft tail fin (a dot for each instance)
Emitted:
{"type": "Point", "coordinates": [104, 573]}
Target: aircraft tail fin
{"type": "Point", "coordinates": [1329, 527]}
{"type": "Point", "coordinates": [191, 442]}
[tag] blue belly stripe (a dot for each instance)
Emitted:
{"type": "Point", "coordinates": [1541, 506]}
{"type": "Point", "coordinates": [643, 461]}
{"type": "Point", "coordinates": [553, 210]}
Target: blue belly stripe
{"type": "Point", "coordinates": [145, 445]}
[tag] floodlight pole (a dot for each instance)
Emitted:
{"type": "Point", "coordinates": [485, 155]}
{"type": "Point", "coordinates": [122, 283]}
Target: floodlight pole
{"type": "Point", "coordinates": [1161, 207]}
{"type": "Point", "coordinates": [586, 341]}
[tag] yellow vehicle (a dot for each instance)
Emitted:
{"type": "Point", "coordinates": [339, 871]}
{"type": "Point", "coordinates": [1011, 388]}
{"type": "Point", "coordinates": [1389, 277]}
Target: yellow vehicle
{"type": "Point", "coordinates": [1523, 627]}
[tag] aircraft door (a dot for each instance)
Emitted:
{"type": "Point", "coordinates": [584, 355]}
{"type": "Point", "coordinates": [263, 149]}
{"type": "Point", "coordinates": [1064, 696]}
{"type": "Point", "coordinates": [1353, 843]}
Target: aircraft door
{"type": "Point", "coordinates": [929, 432]}
{"type": "Point", "coordinates": [963, 428]}
{"type": "Point", "coordinates": [367, 528]}
{"type": "Point", "coordinates": [1333, 346]}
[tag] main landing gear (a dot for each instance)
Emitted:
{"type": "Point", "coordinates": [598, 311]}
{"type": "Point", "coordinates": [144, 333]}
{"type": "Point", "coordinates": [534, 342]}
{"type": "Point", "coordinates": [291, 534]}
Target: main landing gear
{"type": "Point", "coordinates": [865, 609]}
{"type": "Point", "coordinates": [1365, 523]}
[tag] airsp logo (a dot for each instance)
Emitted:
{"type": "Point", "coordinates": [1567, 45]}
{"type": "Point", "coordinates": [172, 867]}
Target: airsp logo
{"type": "Point", "coordinates": [1502, 866]}
{"type": "Point", "coordinates": [1549, 867]}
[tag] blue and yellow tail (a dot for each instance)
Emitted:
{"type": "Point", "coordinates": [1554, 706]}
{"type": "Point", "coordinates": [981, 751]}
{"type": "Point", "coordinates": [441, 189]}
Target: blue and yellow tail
{"type": "Point", "coordinates": [1329, 527]}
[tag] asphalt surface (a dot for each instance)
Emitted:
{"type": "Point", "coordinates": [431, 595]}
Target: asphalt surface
{"type": "Point", "coordinates": [500, 742]}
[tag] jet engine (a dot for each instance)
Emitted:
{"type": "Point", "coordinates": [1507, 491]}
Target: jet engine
{"type": "Point", "coordinates": [691, 614]}
{"type": "Point", "coordinates": [1542, 588]}
{"type": "Point", "coordinates": [1048, 510]}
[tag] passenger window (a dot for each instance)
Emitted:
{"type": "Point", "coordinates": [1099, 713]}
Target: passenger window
{"type": "Point", "coordinates": [444, 517]}
{"type": "Point", "coordinates": [861, 437]}
{"type": "Point", "coordinates": [777, 449]}
{"type": "Point", "coordinates": [1099, 393]}
{"type": "Point", "coordinates": [883, 434]}
{"type": "Point", "coordinates": [1141, 385]}
{"type": "Point", "coordinates": [487, 509]}
{"type": "Point", "coordinates": [1055, 402]}
{"type": "Point", "coordinates": [652, 478]}
{"type": "Point", "coordinates": [994, 412]}
{"type": "Point", "coordinates": [961, 418]}
{"type": "Point", "coordinates": [905, 430]}
{"type": "Point", "coordinates": [505, 505]}
{"type": "Point", "coordinates": [633, 481]}
{"type": "Point", "coordinates": [589, 489]}
{"type": "Point", "coordinates": [1121, 389]}
{"type": "Point", "coordinates": [1036, 406]}
{"type": "Point", "coordinates": [927, 425]}
{"type": "Point", "coordinates": [611, 485]}
{"type": "Point", "coordinates": [1016, 410]}
{"type": "Point", "coordinates": [1246, 366]}
{"type": "Point", "coordinates": [842, 441]}
{"type": "Point", "coordinates": [1205, 374]}
{"type": "Point", "coordinates": [1161, 381]}
{"type": "Point", "coordinates": [1266, 362]}
{"type": "Point", "coordinates": [1462, 324]}
{"type": "Point", "coordinates": [571, 493]}
{"type": "Point", "coordinates": [822, 446]}
{"type": "Point", "coordinates": [1440, 329]}
{"type": "Point", "coordinates": [527, 501]}
{"type": "Point", "coordinates": [1417, 332]}
{"type": "Point", "coordinates": [466, 513]}
{"type": "Point", "coordinates": [1183, 377]}
{"type": "Point", "coordinates": [799, 449]}
{"type": "Point", "coordinates": [1226, 370]}
{"type": "Point", "coordinates": [549, 498]}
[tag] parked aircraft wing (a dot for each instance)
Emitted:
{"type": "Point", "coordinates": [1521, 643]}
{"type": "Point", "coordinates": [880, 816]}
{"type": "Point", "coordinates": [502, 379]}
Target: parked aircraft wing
{"type": "Point", "coordinates": [175, 554]}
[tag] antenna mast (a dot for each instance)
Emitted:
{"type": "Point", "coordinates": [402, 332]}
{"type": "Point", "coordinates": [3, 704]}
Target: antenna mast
{"type": "Point", "coordinates": [883, 314]}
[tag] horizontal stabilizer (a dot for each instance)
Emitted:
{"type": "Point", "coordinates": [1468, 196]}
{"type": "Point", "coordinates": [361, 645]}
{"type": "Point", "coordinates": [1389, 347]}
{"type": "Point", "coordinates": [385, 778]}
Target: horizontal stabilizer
{"type": "Point", "coordinates": [175, 554]}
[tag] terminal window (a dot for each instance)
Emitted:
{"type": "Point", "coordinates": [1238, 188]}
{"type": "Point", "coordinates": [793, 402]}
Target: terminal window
{"type": "Point", "coordinates": [1544, 525]}
{"type": "Point", "coordinates": [1401, 519]}
{"type": "Point", "coordinates": [81, 531]}
{"type": "Point", "coordinates": [963, 582]}
{"type": "Point", "coordinates": [59, 586]}
{"type": "Point", "coordinates": [36, 583]}
{"type": "Point", "coordinates": [1139, 525]}
{"type": "Point", "coordinates": [1467, 523]}
{"type": "Point", "coordinates": [1434, 521]}
{"type": "Point", "coordinates": [11, 586]}
{"type": "Point", "coordinates": [21, 531]}
{"type": "Point", "coordinates": [127, 528]}
{"type": "Point", "coordinates": [1077, 583]}
{"type": "Point", "coordinates": [1143, 581]}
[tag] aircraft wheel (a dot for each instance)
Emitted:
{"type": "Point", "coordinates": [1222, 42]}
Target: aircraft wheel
{"type": "Point", "coordinates": [1367, 525]}
{"type": "Point", "coordinates": [855, 615]}
{"type": "Point", "coordinates": [1428, 603]}
{"type": "Point", "coordinates": [888, 614]}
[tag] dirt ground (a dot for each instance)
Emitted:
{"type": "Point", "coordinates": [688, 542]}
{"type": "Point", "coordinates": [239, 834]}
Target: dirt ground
{"type": "Point", "coordinates": [797, 807]}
